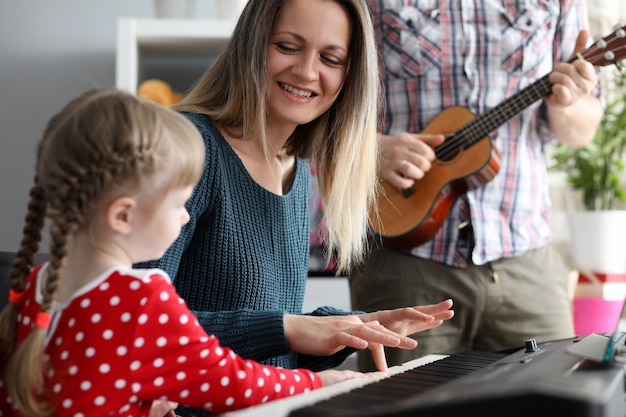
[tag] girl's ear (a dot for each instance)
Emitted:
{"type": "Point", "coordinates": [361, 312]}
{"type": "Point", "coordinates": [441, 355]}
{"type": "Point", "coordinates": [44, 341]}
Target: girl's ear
{"type": "Point", "coordinates": [119, 214]}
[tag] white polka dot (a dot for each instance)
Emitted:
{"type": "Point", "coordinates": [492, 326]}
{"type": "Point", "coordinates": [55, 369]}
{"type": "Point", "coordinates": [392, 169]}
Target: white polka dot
{"type": "Point", "coordinates": [184, 394]}
{"type": "Point", "coordinates": [248, 393]}
{"type": "Point", "coordinates": [230, 401]}
{"type": "Point", "coordinates": [183, 319]}
{"type": "Point", "coordinates": [96, 318]}
{"type": "Point", "coordinates": [241, 374]}
{"type": "Point", "coordinates": [121, 350]}
{"type": "Point", "coordinates": [85, 303]}
{"type": "Point", "coordinates": [107, 334]}
{"type": "Point", "coordinates": [104, 286]}
{"type": "Point", "coordinates": [79, 415]}
{"type": "Point", "coordinates": [164, 296]}
{"type": "Point", "coordinates": [282, 376]}
{"type": "Point", "coordinates": [158, 362]}
{"type": "Point", "coordinates": [225, 381]}
{"type": "Point", "coordinates": [120, 383]}
{"type": "Point", "coordinates": [135, 285]}
{"type": "Point", "coordinates": [219, 351]}
{"type": "Point", "coordinates": [99, 400]}
{"type": "Point", "coordinates": [264, 400]}
{"type": "Point", "coordinates": [292, 390]}
{"type": "Point", "coordinates": [143, 301]}
{"type": "Point", "coordinates": [181, 359]}
{"type": "Point", "coordinates": [66, 403]}
{"type": "Point", "coordinates": [125, 317]}
{"type": "Point", "coordinates": [136, 387]}
{"type": "Point", "coordinates": [115, 300]}
{"type": "Point", "coordinates": [64, 355]}
{"type": "Point", "coordinates": [79, 336]}
{"type": "Point", "coordinates": [57, 388]}
{"type": "Point", "coordinates": [90, 352]}
{"type": "Point", "coordinates": [143, 319]}
{"type": "Point", "coordinates": [277, 387]}
{"type": "Point", "coordinates": [205, 387]}
{"type": "Point", "coordinates": [297, 377]}
{"type": "Point", "coordinates": [104, 368]}
{"type": "Point", "coordinates": [208, 406]}
{"type": "Point", "coordinates": [71, 322]}
{"type": "Point", "coordinates": [158, 381]}
{"type": "Point", "coordinates": [161, 341]}
{"type": "Point", "coordinates": [164, 318]}
{"type": "Point", "coordinates": [73, 370]}
{"type": "Point", "coordinates": [204, 339]}
{"type": "Point", "coordinates": [85, 385]}
{"type": "Point", "coordinates": [134, 365]}
{"type": "Point", "coordinates": [204, 353]}
{"type": "Point", "coordinates": [266, 371]}
{"type": "Point", "coordinates": [58, 341]}
{"type": "Point", "coordinates": [260, 382]}
{"type": "Point", "coordinates": [139, 342]}
{"type": "Point", "coordinates": [181, 376]}
{"type": "Point", "coordinates": [183, 340]}
{"type": "Point", "coordinates": [223, 362]}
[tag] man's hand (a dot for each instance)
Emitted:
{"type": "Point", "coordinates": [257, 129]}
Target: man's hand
{"type": "Point", "coordinates": [406, 157]}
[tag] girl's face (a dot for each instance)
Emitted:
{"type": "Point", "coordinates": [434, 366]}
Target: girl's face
{"type": "Point", "coordinates": [159, 223]}
{"type": "Point", "coordinates": [307, 60]}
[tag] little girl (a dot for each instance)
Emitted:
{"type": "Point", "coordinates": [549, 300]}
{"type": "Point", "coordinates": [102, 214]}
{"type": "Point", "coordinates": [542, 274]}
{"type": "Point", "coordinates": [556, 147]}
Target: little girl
{"type": "Point", "coordinates": [85, 334]}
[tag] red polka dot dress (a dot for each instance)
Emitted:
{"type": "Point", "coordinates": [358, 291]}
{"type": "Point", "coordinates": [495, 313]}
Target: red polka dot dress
{"type": "Point", "coordinates": [127, 338]}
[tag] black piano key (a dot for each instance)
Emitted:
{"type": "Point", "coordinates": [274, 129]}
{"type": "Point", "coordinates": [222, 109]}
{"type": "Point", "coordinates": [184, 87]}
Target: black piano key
{"type": "Point", "coordinates": [400, 386]}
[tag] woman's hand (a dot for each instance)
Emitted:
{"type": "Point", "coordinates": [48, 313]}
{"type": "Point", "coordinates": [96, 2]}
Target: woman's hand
{"type": "Point", "coordinates": [323, 336]}
{"type": "Point", "coordinates": [409, 320]}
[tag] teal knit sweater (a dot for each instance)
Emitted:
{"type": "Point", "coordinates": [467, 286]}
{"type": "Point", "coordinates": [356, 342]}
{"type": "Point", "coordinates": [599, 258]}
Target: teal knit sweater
{"type": "Point", "coordinates": [241, 262]}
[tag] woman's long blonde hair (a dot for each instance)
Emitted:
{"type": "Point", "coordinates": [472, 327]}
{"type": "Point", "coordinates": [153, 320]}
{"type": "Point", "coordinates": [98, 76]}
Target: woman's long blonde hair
{"type": "Point", "coordinates": [342, 141]}
{"type": "Point", "coordinates": [102, 140]}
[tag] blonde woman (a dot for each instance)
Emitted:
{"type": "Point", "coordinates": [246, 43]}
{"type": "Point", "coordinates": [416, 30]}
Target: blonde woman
{"type": "Point", "coordinates": [297, 82]}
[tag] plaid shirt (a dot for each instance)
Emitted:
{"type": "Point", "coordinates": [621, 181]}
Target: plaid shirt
{"type": "Point", "coordinates": [476, 53]}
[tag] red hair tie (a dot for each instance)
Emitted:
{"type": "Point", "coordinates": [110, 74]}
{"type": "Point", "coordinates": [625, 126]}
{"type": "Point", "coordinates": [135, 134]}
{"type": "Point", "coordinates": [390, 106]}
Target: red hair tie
{"type": "Point", "coordinates": [14, 296]}
{"type": "Point", "coordinates": [43, 320]}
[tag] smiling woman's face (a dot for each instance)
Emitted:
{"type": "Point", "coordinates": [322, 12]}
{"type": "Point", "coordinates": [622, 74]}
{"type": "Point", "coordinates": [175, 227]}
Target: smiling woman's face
{"type": "Point", "coordinates": [307, 59]}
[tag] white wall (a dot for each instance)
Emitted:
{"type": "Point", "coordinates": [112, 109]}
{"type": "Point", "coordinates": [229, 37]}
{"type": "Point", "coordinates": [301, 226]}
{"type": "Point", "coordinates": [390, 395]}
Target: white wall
{"type": "Point", "coordinates": [50, 52]}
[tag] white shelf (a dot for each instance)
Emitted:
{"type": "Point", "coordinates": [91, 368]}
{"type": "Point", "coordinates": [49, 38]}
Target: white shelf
{"type": "Point", "coordinates": [164, 38]}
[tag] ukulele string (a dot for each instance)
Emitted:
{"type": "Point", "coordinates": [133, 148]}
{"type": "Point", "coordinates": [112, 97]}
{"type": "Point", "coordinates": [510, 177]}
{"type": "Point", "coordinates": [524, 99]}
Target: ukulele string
{"type": "Point", "coordinates": [476, 129]}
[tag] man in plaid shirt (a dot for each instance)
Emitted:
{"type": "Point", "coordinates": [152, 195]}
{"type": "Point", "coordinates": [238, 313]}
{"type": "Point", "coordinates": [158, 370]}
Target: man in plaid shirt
{"type": "Point", "coordinates": [492, 255]}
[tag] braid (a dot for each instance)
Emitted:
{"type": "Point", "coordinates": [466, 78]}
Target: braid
{"type": "Point", "coordinates": [20, 270]}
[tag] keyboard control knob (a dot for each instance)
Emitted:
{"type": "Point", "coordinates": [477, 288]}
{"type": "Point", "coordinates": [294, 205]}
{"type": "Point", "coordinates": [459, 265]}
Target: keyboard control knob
{"type": "Point", "coordinates": [531, 346]}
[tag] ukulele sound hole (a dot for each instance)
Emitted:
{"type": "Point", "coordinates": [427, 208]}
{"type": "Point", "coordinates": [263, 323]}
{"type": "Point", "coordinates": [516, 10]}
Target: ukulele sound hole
{"type": "Point", "coordinates": [408, 192]}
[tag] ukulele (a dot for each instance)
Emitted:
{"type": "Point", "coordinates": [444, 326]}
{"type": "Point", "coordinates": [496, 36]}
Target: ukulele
{"type": "Point", "coordinates": [467, 159]}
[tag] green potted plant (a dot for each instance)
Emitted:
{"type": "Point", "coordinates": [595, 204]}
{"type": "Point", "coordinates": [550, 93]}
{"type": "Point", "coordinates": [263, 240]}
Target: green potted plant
{"type": "Point", "coordinates": [595, 173]}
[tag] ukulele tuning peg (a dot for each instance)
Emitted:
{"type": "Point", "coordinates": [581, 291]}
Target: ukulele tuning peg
{"type": "Point", "coordinates": [617, 26]}
{"type": "Point", "coordinates": [609, 56]}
